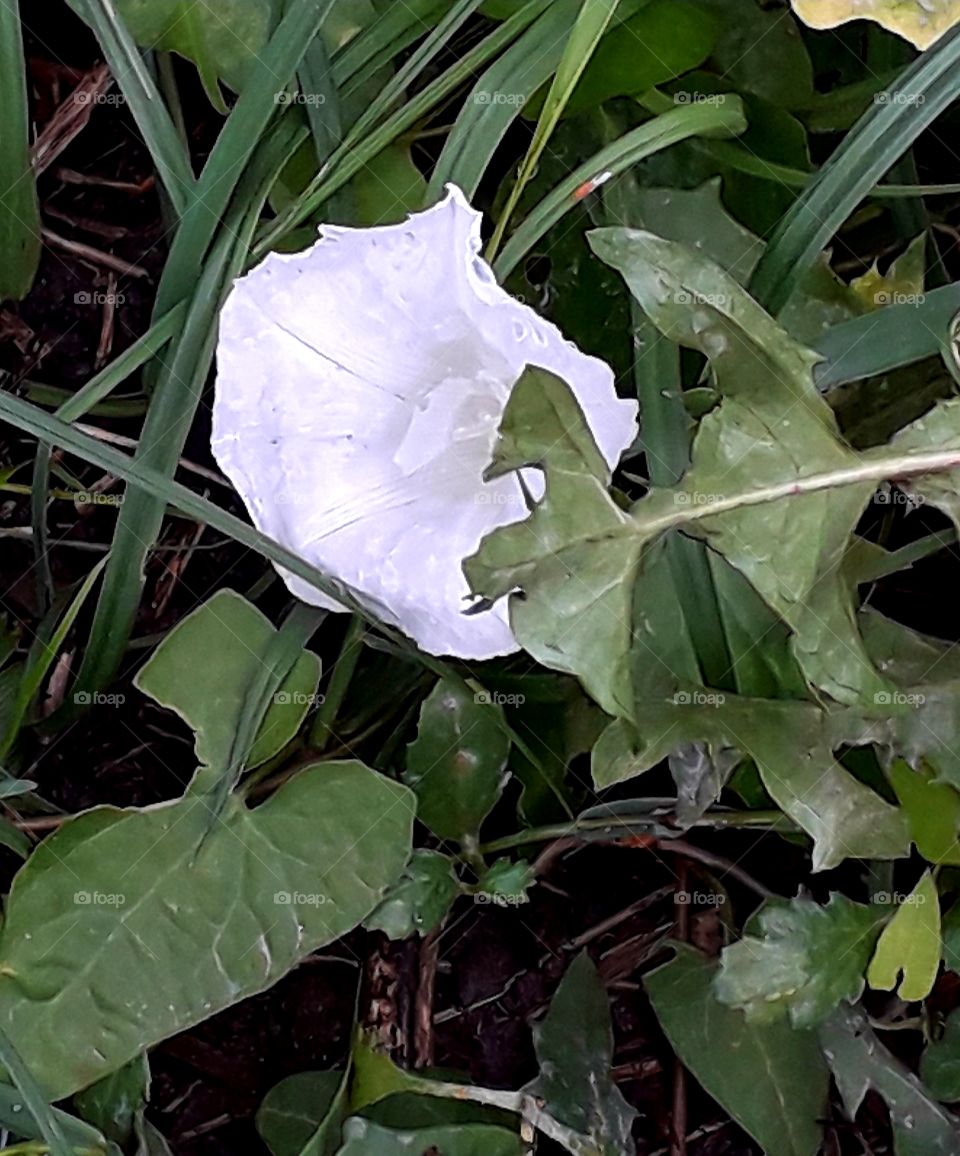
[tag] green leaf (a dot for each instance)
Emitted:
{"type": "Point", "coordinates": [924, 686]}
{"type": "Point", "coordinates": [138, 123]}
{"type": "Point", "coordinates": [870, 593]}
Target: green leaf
{"type": "Point", "coordinates": [770, 1078]}
{"type": "Point", "coordinates": [574, 1046]}
{"type": "Point", "coordinates": [909, 946]}
{"type": "Point", "coordinates": [202, 671]}
{"type": "Point", "coordinates": [507, 883]}
{"type": "Point", "coordinates": [221, 42]}
{"type": "Point", "coordinates": [773, 427]}
{"type": "Point", "coordinates": [113, 1103]}
{"type": "Point", "coordinates": [389, 188]}
{"type": "Point", "coordinates": [16, 1117]}
{"type": "Point", "coordinates": [122, 929]}
{"type": "Point", "coordinates": [933, 810]}
{"type": "Point", "coordinates": [419, 900]}
{"type": "Point", "coordinates": [940, 1062]}
{"type": "Point", "coordinates": [583, 627]}
{"type": "Point", "coordinates": [22, 1075]}
{"type": "Point", "coordinates": [292, 1110]}
{"type": "Point", "coordinates": [456, 763]}
{"type": "Point", "coordinates": [860, 1062]}
{"type": "Point", "coordinates": [792, 745]}
{"type": "Point", "coordinates": [663, 40]}
{"type": "Point", "coordinates": [761, 51]}
{"type": "Point", "coordinates": [364, 1138]}
{"type": "Point", "coordinates": [20, 216]}
{"type": "Point", "coordinates": [804, 961]}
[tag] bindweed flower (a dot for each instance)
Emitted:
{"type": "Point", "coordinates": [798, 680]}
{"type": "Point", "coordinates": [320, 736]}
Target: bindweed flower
{"type": "Point", "coordinates": [359, 390]}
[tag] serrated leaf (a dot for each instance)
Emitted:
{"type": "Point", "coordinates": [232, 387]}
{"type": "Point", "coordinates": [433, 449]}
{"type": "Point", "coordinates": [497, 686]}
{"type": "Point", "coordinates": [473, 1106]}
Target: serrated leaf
{"type": "Point", "coordinates": [574, 1046]}
{"type": "Point", "coordinates": [922, 22]}
{"type": "Point", "coordinates": [364, 1138]}
{"type": "Point", "coordinates": [860, 1062]}
{"type": "Point", "coordinates": [126, 927]}
{"type": "Point", "coordinates": [455, 765]}
{"type": "Point", "coordinates": [770, 1078]}
{"type": "Point", "coordinates": [203, 668]}
{"type": "Point", "coordinates": [804, 961]}
{"type": "Point", "coordinates": [909, 946]}
{"type": "Point", "coordinates": [419, 900]}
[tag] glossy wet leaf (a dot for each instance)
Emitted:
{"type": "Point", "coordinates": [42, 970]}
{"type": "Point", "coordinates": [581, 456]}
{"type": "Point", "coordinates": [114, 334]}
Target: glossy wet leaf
{"type": "Point", "coordinates": [940, 1062]}
{"type": "Point", "coordinates": [122, 929]}
{"type": "Point", "coordinates": [456, 763]}
{"type": "Point", "coordinates": [771, 1078]}
{"type": "Point", "coordinates": [420, 899]}
{"type": "Point", "coordinates": [203, 668]}
{"type": "Point", "coordinates": [799, 960]}
{"type": "Point", "coordinates": [364, 1138]}
{"type": "Point", "coordinates": [860, 1062]}
{"type": "Point", "coordinates": [292, 1110]}
{"type": "Point", "coordinates": [907, 956]}
{"type": "Point", "coordinates": [922, 23]}
{"type": "Point", "coordinates": [574, 1046]}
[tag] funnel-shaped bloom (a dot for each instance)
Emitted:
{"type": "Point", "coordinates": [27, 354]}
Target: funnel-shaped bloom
{"type": "Point", "coordinates": [360, 386]}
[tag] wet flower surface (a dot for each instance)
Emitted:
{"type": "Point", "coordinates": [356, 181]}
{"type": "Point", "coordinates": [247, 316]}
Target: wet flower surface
{"type": "Point", "coordinates": [360, 386]}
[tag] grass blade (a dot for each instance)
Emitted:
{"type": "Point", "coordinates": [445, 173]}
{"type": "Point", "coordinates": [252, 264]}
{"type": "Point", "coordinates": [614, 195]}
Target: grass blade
{"type": "Point", "coordinates": [877, 141]}
{"type": "Point", "coordinates": [656, 134]}
{"type": "Point", "coordinates": [142, 95]}
{"type": "Point", "coordinates": [591, 24]}
{"type": "Point", "coordinates": [171, 413]}
{"type": "Point", "coordinates": [34, 1100]}
{"type": "Point", "coordinates": [483, 121]}
{"type": "Point", "coordinates": [19, 211]}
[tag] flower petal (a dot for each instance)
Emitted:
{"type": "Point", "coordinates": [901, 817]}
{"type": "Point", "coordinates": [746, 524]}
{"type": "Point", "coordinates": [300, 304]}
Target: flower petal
{"type": "Point", "coordinates": [360, 386]}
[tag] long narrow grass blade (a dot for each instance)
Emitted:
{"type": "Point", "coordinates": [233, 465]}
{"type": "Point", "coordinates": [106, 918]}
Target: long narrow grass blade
{"type": "Point", "coordinates": [19, 211]}
{"type": "Point", "coordinates": [347, 162]}
{"type": "Point", "coordinates": [591, 24]}
{"type": "Point", "coordinates": [33, 1098]}
{"type": "Point", "coordinates": [171, 413]}
{"type": "Point", "coordinates": [498, 97]}
{"type": "Point", "coordinates": [879, 138]}
{"type": "Point", "coordinates": [143, 98]}
{"type": "Point", "coordinates": [659, 133]}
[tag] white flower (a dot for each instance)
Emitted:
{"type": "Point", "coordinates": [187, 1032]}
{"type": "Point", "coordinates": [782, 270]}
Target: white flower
{"type": "Point", "coordinates": [360, 386]}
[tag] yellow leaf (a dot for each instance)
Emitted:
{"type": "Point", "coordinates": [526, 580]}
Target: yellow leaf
{"type": "Point", "coordinates": [910, 945]}
{"type": "Point", "coordinates": [919, 21]}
